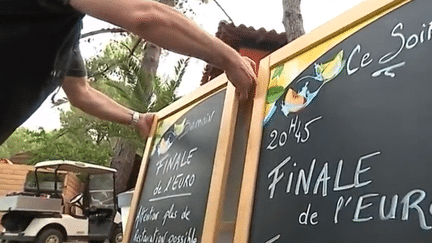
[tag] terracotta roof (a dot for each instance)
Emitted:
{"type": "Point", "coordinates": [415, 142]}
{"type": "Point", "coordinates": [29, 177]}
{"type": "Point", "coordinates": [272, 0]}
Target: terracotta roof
{"type": "Point", "coordinates": [244, 37]}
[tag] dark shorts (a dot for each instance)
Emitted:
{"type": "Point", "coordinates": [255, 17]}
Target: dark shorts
{"type": "Point", "coordinates": [76, 67]}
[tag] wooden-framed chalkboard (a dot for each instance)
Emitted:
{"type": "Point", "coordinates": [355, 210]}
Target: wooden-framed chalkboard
{"type": "Point", "coordinates": [340, 146]}
{"type": "Point", "coordinates": [180, 190]}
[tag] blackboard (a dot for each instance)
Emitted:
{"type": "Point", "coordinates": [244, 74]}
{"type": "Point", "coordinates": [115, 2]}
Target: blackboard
{"type": "Point", "coordinates": [171, 201]}
{"type": "Point", "coordinates": [346, 143]}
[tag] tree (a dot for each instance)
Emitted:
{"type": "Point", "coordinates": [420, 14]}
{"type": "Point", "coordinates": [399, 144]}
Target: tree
{"type": "Point", "coordinates": [18, 142]}
{"type": "Point", "coordinates": [292, 19]}
{"type": "Point", "coordinates": [119, 70]}
{"type": "Point", "coordinates": [43, 145]}
{"type": "Point", "coordinates": [67, 145]}
{"type": "Point", "coordinates": [124, 151]}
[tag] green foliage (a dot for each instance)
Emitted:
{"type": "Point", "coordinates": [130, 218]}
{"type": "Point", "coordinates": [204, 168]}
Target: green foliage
{"type": "Point", "coordinates": [18, 142]}
{"type": "Point", "coordinates": [183, 6]}
{"type": "Point", "coordinates": [56, 144]}
{"type": "Point", "coordinates": [164, 93]}
{"type": "Point", "coordinates": [76, 145]}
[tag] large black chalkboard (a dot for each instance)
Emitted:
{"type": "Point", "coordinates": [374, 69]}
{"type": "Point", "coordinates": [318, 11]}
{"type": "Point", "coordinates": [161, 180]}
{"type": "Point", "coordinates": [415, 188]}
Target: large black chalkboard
{"type": "Point", "coordinates": [173, 202]}
{"type": "Point", "coordinates": [354, 165]}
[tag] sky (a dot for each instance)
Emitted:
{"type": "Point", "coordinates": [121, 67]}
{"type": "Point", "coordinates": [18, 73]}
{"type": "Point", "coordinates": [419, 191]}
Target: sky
{"type": "Point", "coordinates": [252, 13]}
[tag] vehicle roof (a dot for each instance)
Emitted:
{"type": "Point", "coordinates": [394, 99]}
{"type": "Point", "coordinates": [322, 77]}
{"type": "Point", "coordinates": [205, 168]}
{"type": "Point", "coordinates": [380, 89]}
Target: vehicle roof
{"type": "Point", "coordinates": [75, 166]}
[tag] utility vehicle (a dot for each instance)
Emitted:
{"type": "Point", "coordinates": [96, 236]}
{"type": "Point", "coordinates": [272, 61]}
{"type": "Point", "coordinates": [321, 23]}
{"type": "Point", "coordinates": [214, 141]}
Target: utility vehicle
{"type": "Point", "coordinates": [47, 212]}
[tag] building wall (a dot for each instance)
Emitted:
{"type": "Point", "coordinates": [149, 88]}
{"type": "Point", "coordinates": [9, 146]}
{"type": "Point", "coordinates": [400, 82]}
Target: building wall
{"type": "Point", "coordinates": [12, 177]}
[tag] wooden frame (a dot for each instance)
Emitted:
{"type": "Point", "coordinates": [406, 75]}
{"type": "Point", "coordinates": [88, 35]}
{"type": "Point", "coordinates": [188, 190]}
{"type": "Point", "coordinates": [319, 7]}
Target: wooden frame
{"type": "Point", "coordinates": [342, 27]}
{"type": "Point", "coordinates": [212, 222]}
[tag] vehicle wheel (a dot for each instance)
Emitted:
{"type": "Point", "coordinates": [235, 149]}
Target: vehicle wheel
{"type": "Point", "coordinates": [117, 235]}
{"type": "Point", "coordinates": [50, 236]}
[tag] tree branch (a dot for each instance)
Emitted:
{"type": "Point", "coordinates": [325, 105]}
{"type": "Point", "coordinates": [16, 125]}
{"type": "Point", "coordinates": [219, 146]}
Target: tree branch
{"type": "Point", "coordinates": [100, 72]}
{"type": "Point", "coordinates": [223, 10]}
{"type": "Point", "coordinates": [135, 47]}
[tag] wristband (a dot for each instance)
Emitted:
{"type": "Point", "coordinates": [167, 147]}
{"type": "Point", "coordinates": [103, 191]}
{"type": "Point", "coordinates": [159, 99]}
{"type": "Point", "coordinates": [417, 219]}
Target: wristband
{"type": "Point", "coordinates": [135, 118]}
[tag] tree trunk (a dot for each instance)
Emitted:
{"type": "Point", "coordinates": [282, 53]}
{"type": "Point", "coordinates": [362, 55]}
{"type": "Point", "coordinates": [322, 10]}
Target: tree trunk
{"type": "Point", "coordinates": [150, 64]}
{"type": "Point", "coordinates": [124, 152]}
{"type": "Point", "coordinates": [292, 19]}
{"type": "Point", "coordinates": [123, 160]}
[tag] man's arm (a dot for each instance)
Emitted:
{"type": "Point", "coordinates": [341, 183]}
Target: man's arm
{"type": "Point", "coordinates": [169, 29]}
{"type": "Point", "coordinates": [91, 101]}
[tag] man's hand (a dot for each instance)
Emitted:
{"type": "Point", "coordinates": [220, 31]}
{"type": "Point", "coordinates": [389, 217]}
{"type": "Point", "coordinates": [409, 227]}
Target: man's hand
{"type": "Point", "coordinates": [242, 75]}
{"type": "Point", "coordinates": [144, 124]}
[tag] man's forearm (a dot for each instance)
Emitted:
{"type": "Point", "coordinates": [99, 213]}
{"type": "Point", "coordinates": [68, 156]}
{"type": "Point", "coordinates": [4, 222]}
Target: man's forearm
{"type": "Point", "coordinates": [103, 107]}
{"type": "Point", "coordinates": [97, 104]}
{"type": "Point", "coordinates": [181, 35]}
{"type": "Point", "coordinates": [93, 102]}
{"type": "Point", "coordinates": [167, 28]}
{"type": "Point", "coordinates": [162, 25]}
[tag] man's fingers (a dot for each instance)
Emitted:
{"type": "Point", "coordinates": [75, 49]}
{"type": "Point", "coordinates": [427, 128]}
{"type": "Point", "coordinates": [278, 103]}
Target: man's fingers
{"type": "Point", "coordinates": [252, 90]}
{"type": "Point", "coordinates": [251, 62]}
{"type": "Point", "coordinates": [243, 77]}
{"type": "Point", "coordinates": [254, 66]}
{"type": "Point", "coordinates": [144, 124]}
{"type": "Point", "coordinates": [242, 94]}
{"type": "Point", "coordinates": [238, 94]}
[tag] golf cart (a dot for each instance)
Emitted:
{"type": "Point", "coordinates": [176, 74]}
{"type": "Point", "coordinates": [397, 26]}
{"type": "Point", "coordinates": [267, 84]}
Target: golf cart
{"type": "Point", "coordinates": [44, 213]}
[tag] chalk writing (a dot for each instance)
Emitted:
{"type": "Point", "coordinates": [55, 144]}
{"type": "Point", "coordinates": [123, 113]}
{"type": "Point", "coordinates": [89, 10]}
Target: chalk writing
{"type": "Point", "coordinates": [191, 125]}
{"type": "Point", "coordinates": [322, 179]}
{"type": "Point", "coordinates": [410, 203]}
{"type": "Point", "coordinates": [174, 183]}
{"type": "Point", "coordinates": [388, 70]}
{"type": "Point", "coordinates": [144, 215]}
{"type": "Point", "coordinates": [296, 128]}
{"type": "Point", "coordinates": [411, 200]}
{"type": "Point", "coordinates": [274, 239]}
{"type": "Point", "coordinates": [339, 206]}
{"type": "Point", "coordinates": [143, 236]}
{"type": "Point", "coordinates": [306, 217]}
{"type": "Point", "coordinates": [201, 122]}
{"type": "Point", "coordinates": [406, 43]}
{"type": "Point", "coordinates": [173, 163]}
{"type": "Point", "coordinates": [170, 214]}
{"type": "Point", "coordinates": [185, 214]}
{"type": "Point", "coordinates": [170, 196]}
